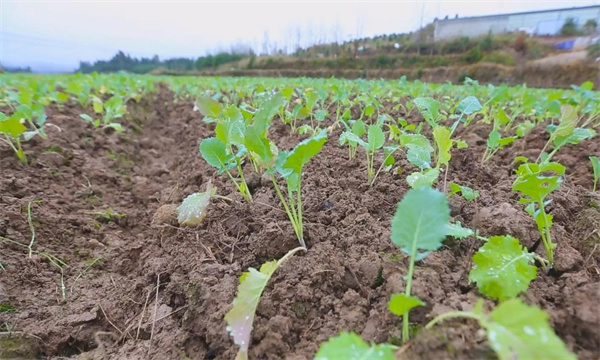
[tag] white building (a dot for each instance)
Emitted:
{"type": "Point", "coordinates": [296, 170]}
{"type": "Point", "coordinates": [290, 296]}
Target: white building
{"type": "Point", "coordinates": [545, 22]}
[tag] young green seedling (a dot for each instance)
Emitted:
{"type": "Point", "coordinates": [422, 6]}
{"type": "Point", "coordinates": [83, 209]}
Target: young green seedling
{"type": "Point", "coordinates": [241, 316]}
{"type": "Point", "coordinates": [352, 136]}
{"type": "Point", "coordinates": [596, 168]}
{"type": "Point", "coordinates": [227, 150]}
{"type": "Point", "coordinates": [515, 331]}
{"type": "Point", "coordinates": [534, 188]}
{"type": "Point", "coordinates": [289, 165]}
{"type": "Point", "coordinates": [467, 193]}
{"type": "Point", "coordinates": [11, 129]}
{"type": "Point", "coordinates": [565, 133]}
{"type": "Point", "coordinates": [420, 223]}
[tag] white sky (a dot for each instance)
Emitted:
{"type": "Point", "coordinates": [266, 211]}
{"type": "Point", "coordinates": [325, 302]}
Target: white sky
{"type": "Point", "coordinates": [50, 34]}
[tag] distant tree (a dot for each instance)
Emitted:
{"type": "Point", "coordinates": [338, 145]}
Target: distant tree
{"type": "Point", "coordinates": [590, 26]}
{"type": "Point", "coordinates": [569, 28]}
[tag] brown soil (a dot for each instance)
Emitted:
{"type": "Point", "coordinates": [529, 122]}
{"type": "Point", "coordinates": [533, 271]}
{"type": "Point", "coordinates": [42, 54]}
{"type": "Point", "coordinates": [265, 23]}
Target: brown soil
{"type": "Point", "coordinates": [343, 282]}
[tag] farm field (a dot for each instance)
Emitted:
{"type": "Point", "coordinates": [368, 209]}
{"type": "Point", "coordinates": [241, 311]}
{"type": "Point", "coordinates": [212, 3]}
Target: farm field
{"type": "Point", "coordinates": [432, 221]}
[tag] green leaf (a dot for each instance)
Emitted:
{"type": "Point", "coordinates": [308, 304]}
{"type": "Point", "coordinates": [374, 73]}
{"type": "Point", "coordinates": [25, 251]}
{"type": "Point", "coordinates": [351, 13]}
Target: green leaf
{"type": "Point", "coordinates": [401, 303]}
{"type": "Point", "coordinates": [359, 128]}
{"type": "Point", "coordinates": [533, 185]}
{"type": "Point", "coordinates": [419, 149]}
{"type": "Point", "coordinates": [493, 139]}
{"type": "Point", "coordinates": [193, 208]}
{"type": "Point", "coordinates": [442, 134]}
{"type": "Point", "coordinates": [349, 346]}
{"type": "Point", "coordinates": [12, 127]}
{"type": "Point", "coordinates": [568, 122]}
{"type": "Point", "coordinates": [252, 284]}
{"type": "Point", "coordinates": [461, 144]}
{"type": "Point", "coordinates": [232, 129]}
{"type": "Point", "coordinates": [239, 319]}
{"type": "Point", "coordinates": [304, 151]}
{"type": "Point", "coordinates": [208, 107]}
{"type": "Point", "coordinates": [429, 108]}
{"type": "Point", "coordinates": [596, 168]}
{"type": "Point", "coordinates": [420, 221]}
{"type": "Point", "coordinates": [215, 153]}
{"type": "Point", "coordinates": [502, 268]}
{"type": "Point", "coordinates": [502, 118]}
{"type": "Point", "coordinates": [457, 231]}
{"type": "Point", "coordinates": [97, 105]}
{"type": "Point", "coordinates": [376, 137]}
{"type": "Point", "coordinates": [257, 143]}
{"type": "Point", "coordinates": [519, 331]}
{"type": "Point", "coordinates": [268, 110]}
{"type": "Point", "coordinates": [422, 179]}
{"type": "Point", "coordinates": [320, 114]}
{"type": "Point", "coordinates": [469, 105]}
{"type": "Point", "coordinates": [468, 193]}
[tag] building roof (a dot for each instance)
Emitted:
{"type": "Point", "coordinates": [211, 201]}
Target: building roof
{"type": "Point", "coordinates": [520, 13]}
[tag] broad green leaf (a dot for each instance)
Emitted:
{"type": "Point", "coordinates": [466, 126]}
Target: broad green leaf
{"type": "Point", "coordinates": [193, 208]}
{"type": "Point", "coordinates": [268, 110]}
{"type": "Point", "coordinates": [420, 221]}
{"type": "Point", "coordinates": [422, 179]}
{"type": "Point", "coordinates": [376, 137]}
{"type": "Point", "coordinates": [97, 105]}
{"type": "Point", "coordinates": [493, 139]}
{"type": "Point", "coordinates": [533, 185]}
{"type": "Point", "coordinates": [588, 85]}
{"type": "Point", "coordinates": [502, 268]}
{"type": "Point", "coordinates": [231, 130]}
{"type": "Point", "coordinates": [349, 346]}
{"type": "Point", "coordinates": [502, 118]}
{"type": "Point", "coordinates": [320, 115]}
{"type": "Point", "coordinates": [442, 134]}
{"type": "Point", "coordinates": [12, 127]}
{"type": "Point", "coordinates": [304, 151]}
{"type": "Point", "coordinates": [400, 303]}
{"type": "Point", "coordinates": [429, 108]}
{"type": "Point", "coordinates": [522, 332]}
{"type": "Point", "coordinates": [469, 105]}
{"type": "Point", "coordinates": [257, 143]}
{"type": "Point", "coordinates": [419, 149]}
{"type": "Point", "coordinates": [359, 128]}
{"type": "Point", "coordinates": [215, 154]}
{"type": "Point", "coordinates": [208, 107]}
{"type": "Point", "coordinates": [568, 122]}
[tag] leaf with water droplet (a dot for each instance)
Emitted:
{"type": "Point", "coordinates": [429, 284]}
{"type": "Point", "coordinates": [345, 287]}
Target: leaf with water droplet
{"type": "Point", "coordinates": [519, 331]}
{"type": "Point", "coordinates": [192, 210]}
{"type": "Point", "coordinates": [502, 268]}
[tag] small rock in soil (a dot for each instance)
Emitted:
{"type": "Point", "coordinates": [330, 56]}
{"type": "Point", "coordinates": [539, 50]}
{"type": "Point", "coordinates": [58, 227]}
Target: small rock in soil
{"type": "Point", "coordinates": [166, 214]}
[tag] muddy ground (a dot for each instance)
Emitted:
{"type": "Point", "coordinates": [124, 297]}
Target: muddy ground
{"type": "Point", "coordinates": [116, 258]}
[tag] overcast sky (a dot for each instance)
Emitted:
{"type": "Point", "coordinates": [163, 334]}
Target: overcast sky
{"type": "Point", "coordinates": [50, 34]}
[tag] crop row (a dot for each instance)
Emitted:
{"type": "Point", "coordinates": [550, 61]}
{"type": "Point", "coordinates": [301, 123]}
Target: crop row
{"type": "Point", "coordinates": [377, 117]}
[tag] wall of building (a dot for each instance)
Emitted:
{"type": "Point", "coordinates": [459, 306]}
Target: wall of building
{"type": "Point", "coordinates": [540, 23]}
